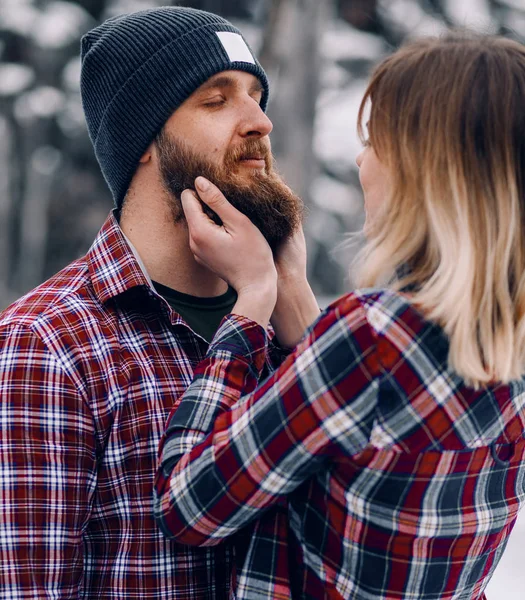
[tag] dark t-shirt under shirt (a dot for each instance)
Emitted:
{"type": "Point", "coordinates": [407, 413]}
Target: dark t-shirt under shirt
{"type": "Point", "coordinates": [203, 315]}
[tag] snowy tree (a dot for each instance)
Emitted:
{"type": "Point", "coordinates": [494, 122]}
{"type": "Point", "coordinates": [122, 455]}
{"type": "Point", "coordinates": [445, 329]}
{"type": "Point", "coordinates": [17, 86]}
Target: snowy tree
{"type": "Point", "coordinates": [318, 54]}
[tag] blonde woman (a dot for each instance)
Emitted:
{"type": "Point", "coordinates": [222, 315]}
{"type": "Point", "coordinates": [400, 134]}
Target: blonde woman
{"type": "Point", "coordinates": [395, 429]}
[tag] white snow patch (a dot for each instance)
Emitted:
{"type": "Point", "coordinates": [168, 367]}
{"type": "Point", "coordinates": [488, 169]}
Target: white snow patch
{"type": "Point", "coordinates": [333, 76]}
{"type": "Point", "coordinates": [45, 160]}
{"type": "Point", "coordinates": [336, 197]}
{"type": "Point", "coordinates": [42, 102]}
{"type": "Point", "coordinates": [60, 24]}
{"type": "Point", "coordinates": [405, 15]}
{"type": "Point", "coordinates": [322, 226]}
{"type": "Point", "coordinates": [15, 78]}
{"type": "Point", "coordinates": [335, 132]}
{"type": "Point", "coordinates": [120, 7]}
{"type": "Point", "coordinates": [71, 118]}
{"type": "Point", "coordinates": [71, 74]}
{"type": "Point", "coordinates": [19, 18]}
{"type": "Point", "coordinates": [408, 17]}
{"type": "Point", "coordinates": [474, 14]}
{"type": "Point", "coordinates": [341, 41]}
{"type": "Point", "coordinates": [428, 26]}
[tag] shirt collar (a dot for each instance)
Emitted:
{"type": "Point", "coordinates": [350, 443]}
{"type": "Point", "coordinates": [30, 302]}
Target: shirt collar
{"type": "Point", "coordinates": [114, 265]}
{"type": "Point", "coordinates": [138, 259]}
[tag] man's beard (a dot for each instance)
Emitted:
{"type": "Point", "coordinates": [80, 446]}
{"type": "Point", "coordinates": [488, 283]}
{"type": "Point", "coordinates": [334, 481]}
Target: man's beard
{"type": "Point", "coordinates": [262, 196]}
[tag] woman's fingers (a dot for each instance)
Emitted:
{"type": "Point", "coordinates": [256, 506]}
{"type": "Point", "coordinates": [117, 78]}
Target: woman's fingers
{"type": "Point", "coordinates": [194, 213]}
{"type": "Point", "coordinates": [236, 250]}
{"type": "Point", "coordinates": [211, 195]}
{"type": "Point", "coordinates": [203, 231]}
{"type": "Point", "coordinates": [192, 209]}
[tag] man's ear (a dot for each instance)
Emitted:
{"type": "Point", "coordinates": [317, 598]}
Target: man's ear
{"type": "Point", "coordinates": [146, 157]}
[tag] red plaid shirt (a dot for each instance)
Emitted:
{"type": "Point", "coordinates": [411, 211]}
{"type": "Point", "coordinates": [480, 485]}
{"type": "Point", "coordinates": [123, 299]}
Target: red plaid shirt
{"type": "Point", "coordinates": [402, 482]}
{"type": "Point", "coordinates": [90, 365]}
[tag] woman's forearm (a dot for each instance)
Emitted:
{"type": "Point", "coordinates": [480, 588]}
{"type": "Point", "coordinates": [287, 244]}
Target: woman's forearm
{"type": "Point", "coordinates": [296, 309]}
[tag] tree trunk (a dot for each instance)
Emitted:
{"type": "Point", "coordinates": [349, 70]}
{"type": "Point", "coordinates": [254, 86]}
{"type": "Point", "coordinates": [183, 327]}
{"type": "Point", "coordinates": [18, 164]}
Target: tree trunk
{"type": "Point", "coordinates": [291, 54]}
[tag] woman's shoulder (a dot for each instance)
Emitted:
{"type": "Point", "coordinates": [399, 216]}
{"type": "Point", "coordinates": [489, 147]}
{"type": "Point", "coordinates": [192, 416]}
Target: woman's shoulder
{"type": "Point", "coordinates": [376, 299]}
{"type": "Point", "coordinates": [382, 308]}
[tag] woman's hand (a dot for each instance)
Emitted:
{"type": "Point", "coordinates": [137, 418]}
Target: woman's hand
{"type": "Point", "coordinates": [236, 251]}
{"type": "Point", "coordinates": [290, 259]}
{"type": "Point", "coordinates": [296, 306]}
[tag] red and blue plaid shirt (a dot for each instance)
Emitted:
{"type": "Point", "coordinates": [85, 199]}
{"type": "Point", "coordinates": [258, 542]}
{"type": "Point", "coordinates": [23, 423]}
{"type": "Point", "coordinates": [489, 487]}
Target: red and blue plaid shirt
{"type": "Point", "coordinates": [402, 482]}
{"type": "Point", "coordinates": [91, 363]}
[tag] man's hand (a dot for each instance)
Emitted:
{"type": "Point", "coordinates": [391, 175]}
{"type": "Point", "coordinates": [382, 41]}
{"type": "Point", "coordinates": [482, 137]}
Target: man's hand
{"type": "Point", "coordinates": [236, 250]}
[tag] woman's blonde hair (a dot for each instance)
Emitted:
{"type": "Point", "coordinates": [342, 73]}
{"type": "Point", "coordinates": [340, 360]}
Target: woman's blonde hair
{"type": "Point", "coordinates": [447, 119]}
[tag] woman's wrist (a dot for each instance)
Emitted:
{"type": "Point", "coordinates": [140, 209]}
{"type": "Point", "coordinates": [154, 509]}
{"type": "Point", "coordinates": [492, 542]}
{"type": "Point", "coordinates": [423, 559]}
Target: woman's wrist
{"type": "Point", "coordinates": [257, 302]}
{"type": "Point", "coordinates": [295, 310]}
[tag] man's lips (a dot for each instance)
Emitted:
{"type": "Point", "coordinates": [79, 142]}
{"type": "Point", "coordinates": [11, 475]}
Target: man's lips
{"type": "Point", "coordinates": [253, 161]}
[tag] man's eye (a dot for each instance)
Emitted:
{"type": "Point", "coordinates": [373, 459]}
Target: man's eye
{"type": "Point", "coordinates": [215, 102]}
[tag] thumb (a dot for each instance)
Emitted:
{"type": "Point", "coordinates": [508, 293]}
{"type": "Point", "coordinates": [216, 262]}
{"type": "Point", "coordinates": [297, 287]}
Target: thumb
{"type": "Point", "coordinates": [195, 217]}
{"type": "Point", "coordinates": [211, 195]}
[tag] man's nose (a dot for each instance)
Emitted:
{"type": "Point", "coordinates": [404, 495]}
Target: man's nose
{"type": "Point", "coordinates": [255, 122]}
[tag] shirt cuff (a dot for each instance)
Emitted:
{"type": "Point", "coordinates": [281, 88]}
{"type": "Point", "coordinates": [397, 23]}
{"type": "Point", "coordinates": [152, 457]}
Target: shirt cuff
{"type": "Point", "coordinates": [241, 338]}
{"type": "Point", "coordinates": [277, 354]}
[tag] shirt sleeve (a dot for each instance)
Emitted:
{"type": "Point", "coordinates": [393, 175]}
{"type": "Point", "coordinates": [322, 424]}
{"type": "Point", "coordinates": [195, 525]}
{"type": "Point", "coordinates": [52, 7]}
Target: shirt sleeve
{"type": "Point", "coordinates": [47, 471]}
{"type": "Point", "coordinates": [223, 381]}
{"type": "Point", "coordinates": [318, 404]}
{"type": "Point", "coordinates": [277, 354]}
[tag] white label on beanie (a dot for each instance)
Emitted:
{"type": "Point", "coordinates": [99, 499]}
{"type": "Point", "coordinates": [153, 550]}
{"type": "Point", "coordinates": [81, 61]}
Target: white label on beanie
{"type": "Point", "coordinates": [235, 46]}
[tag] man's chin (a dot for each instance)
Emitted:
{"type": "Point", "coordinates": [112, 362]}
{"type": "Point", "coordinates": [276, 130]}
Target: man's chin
{"type": "Point", "coordinates": [248, 175]}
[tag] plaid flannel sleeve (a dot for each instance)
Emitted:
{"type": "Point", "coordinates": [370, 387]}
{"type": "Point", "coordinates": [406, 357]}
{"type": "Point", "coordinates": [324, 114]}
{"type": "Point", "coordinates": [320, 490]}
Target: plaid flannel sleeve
{"type": "Point", "coordinates": [47, 471]}
{"type": "Point", "coordinates": [319, 403]}
{"type": "Point", "coordinates": [234, 364]}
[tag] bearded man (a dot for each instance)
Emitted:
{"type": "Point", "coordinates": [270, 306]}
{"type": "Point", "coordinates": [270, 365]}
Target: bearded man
{"type": "Point", "coordinates": [93, 360]}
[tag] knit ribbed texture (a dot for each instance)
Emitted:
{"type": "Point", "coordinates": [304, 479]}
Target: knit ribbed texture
{"type": "Point", "coordinates": [137, 69]}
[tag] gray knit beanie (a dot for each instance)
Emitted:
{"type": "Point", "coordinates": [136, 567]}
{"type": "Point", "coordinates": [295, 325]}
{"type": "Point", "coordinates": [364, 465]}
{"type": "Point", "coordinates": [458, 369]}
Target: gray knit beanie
{"type": "Point", "coordinates": [138, 68]}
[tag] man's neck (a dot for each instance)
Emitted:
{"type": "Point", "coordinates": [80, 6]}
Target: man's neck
{"type": "Point", "coordinates": [163, 247]}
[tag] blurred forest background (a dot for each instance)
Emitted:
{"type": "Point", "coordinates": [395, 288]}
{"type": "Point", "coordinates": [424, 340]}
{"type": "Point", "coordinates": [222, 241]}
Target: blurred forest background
{"type": "Point", "coordinates": [318, 54]}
